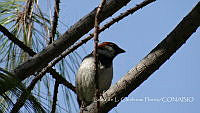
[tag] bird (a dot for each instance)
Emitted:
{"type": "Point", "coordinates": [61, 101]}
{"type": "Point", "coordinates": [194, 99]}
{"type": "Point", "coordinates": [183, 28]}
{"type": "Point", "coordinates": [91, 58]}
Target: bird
{"type": "Point", "coordinates": [85, 77]}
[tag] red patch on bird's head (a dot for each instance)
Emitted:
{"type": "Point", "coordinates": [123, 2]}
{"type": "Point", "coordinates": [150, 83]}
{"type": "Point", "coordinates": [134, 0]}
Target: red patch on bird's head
{"type": "Point", "coordinates": [105, 43]}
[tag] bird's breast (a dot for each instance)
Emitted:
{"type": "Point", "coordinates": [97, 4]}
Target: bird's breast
{"type": "Point", "coordinates": [105, 76]}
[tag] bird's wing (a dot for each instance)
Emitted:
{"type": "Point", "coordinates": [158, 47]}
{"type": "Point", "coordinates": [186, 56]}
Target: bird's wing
{"type": "Point", "coordinates": [85, 80]}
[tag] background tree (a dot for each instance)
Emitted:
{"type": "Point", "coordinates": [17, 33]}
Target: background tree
{"type": "Point", "coordinates": [24, 21]}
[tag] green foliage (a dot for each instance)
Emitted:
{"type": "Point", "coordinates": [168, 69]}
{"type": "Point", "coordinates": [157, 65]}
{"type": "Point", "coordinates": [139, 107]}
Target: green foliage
{"type": "Point", "coordinates": [7, 99]}
{"type": "Point", "coordinates": [32, 27]}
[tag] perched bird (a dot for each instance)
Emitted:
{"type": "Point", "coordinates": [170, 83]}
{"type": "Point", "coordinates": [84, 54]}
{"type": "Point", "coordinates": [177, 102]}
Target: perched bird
{"type": "Point", "coordinates": [85, 78]}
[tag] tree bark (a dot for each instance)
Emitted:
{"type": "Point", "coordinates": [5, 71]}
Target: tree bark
{"type": "Point", "coordinates": [158, 56]}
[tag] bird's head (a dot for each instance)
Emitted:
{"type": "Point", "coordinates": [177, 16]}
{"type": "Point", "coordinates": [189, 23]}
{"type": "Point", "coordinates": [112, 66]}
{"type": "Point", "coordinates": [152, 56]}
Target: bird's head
{"type": "Point", "coordinates": [109, 49]}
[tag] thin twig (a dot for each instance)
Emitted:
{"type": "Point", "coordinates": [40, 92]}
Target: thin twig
{"type": "Point", "coordinates": [55, 95]}
{"type": "Point", "coordinates": [20, 101]}
{"type": "Point", "coordinates": [96, 41]}
{"type": "Point", "coordinates": [27, 20]}
{"type": "Point", "coordinates": [28, 7]}
{"type": "Point", "coordinates": [16, 41]}
{"type": "Point", "coordinates": [32, 53]}
{"type": "Point", "coordinates": [52, 35]}
{"type": "Point", "coordinates": [55, 21]}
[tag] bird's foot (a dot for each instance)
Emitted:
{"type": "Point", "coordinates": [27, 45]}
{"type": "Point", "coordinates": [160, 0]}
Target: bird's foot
{"type": "Point", "coordinates": [83, 108]}
{"type": "Point", "coordinates": [101, 95]}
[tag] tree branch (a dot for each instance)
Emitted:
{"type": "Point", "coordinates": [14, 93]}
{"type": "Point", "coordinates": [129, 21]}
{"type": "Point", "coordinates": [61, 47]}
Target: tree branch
{"type": "Point", "coordinates": [158, 56]}
{"type": "Point", "coordinates": [96, 41]}
{"type": "Point", "coordinates": [32, 53]}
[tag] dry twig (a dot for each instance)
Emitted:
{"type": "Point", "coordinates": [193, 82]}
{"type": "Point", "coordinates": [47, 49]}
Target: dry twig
{"type": "Point", "coordinates": [96, 41]}
{"type": "Point", "coordinates": [55, 21]}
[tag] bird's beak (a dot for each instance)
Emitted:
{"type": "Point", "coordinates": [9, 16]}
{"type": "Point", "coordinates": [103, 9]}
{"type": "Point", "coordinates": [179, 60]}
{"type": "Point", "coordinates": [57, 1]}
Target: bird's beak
{"type": "Point", "coordinates": [121, 50]}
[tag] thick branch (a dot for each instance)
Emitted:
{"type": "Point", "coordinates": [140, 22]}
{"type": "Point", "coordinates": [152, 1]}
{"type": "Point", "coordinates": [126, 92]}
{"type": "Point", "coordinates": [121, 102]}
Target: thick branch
{"type": "Point", "coordinates": [159, 55]}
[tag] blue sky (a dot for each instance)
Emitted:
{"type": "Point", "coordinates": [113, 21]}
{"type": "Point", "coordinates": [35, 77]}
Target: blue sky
{"type": "Point", "coordinates": [138, 34]}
